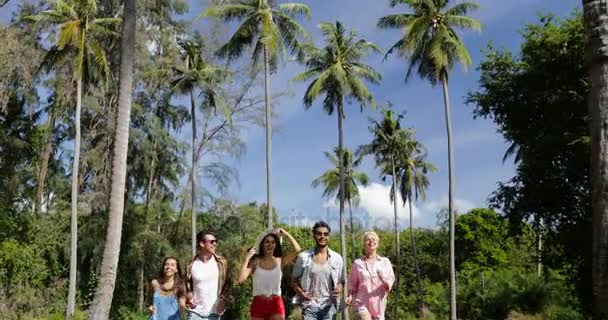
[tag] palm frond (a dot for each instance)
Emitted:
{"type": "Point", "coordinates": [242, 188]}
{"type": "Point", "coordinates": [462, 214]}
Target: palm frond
{"type": "Point", "coordinates": [462, 8]}
{"type": "Point", "coordinates": [395, 21]}
{"type": "Point", "coordinates": [228, 12]}
{"type": "Point", "coordinates": [462, 22]}
{"type": "Point", "coordinates": [294, 9]}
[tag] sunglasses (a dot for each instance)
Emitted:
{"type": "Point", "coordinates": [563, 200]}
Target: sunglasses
{"type": "Point", "coordinates": [325, 234]}
{"type": "Point", "coordinates": [214, 241]}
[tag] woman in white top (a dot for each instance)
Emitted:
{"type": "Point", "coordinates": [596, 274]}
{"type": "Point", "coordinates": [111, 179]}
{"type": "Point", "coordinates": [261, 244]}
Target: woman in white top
{"type": "Point", "coordinates": [265, 262]}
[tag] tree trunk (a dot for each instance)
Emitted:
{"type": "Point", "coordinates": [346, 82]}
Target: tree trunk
{"type": "Point", "coordinates": [100, 307]}
{"type": "Point", "coordinates": [539, 250]}
{"type": "Point", "coordinates": [141, 288]}
{"type": "Point", "coordinates": [596, 26]}
{"type": "Point", "coordinates": [268, 136]}
{"type": "Point", "coordinates": [193, 174]}
{"type": "Point", "coordinates": [43, 165]}
{"type": "Point", "coordinates": [452, 215]}
{"type": "Point", "coordinates": [341, 196]}
{"type": "Point", "coordinates": [416, 263]}
{"type": "Point", "coordinates": [74, 214]}
{"type": "Point", "coordinates": [398, 243]}
{"type": "Point", "coordinates": [352, 232]}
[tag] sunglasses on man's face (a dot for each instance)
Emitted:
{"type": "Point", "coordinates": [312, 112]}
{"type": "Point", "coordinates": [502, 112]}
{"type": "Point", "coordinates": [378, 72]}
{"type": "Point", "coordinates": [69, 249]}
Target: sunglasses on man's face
{"type": "Point", "coordinates": [212, 241]}
{"type": "Point", "coordinates": [318, 234]}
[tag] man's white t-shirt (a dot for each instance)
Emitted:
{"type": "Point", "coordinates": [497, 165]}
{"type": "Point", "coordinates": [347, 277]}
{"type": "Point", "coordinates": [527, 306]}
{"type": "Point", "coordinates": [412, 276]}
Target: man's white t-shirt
{"type": "Point", "coordinates": [205, 279]}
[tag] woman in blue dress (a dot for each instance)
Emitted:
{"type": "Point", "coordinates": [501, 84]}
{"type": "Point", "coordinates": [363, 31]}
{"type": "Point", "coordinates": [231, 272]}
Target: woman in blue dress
{"type": "Point", "coordinates": [167, 292]}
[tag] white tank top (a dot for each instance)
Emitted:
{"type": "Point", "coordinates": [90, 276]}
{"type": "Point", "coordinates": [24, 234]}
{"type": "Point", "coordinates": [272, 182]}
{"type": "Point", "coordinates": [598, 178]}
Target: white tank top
{"type": "Point", "coordinates": [267, 282]}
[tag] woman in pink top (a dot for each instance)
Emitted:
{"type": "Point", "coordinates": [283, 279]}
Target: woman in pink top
{"type": "Point", "coordinates": [369, 282]}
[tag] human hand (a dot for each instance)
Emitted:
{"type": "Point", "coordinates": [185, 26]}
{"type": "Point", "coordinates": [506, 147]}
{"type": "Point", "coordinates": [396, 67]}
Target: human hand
{"type": "Point", "coordinates": [281, 232]}
{"type": "Point", "coordinates": [252, 252]}
{"type": "Point", "coordinates": [190, 301]}
{"type": "Point", "coordinates": [349, 300]}
{"type": "Point", "coordinates": [151, 310]}
{"type": "Point", "coordinates": [307, 296]}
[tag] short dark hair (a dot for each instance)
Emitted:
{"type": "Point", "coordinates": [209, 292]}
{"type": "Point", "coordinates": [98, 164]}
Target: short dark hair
{"type": "Point", "coordinates": [201, 236]}
{"type": "Point", "coordinates": [321, 224]}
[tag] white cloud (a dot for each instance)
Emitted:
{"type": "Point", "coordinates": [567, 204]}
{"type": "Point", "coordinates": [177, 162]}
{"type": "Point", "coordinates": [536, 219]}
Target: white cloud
{"type": "Point", "coordinates": [460, 205]}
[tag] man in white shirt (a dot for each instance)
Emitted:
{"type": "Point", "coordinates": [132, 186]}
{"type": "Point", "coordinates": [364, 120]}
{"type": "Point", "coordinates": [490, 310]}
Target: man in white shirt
{"type": "Point", "coordinates": [207, 281]}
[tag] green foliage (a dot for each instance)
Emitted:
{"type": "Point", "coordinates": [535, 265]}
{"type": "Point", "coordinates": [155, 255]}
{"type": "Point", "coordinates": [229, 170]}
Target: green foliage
{"type": "Point", "coordinates": [504, 291]}
{"type": "Point", "coordinates": [545, 85]}
{"type": "Point", "coordinates": [337, 70]}
{"type": "Point", "coordinates": [430, 42]}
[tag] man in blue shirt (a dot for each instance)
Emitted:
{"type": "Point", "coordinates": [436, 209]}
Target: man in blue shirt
{"type": "Point", "coordinates": [317, 277]}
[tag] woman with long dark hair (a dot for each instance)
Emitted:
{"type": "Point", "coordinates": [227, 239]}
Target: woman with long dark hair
{"type": "Point", "coordinates": [265, 263]}
{"type": "Point", "coordinates": [167, 292]}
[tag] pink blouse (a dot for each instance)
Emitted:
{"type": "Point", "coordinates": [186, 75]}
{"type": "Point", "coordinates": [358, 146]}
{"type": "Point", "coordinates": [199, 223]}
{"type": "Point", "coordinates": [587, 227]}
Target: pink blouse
{"type": "Point", "coordinates": [369, 283]}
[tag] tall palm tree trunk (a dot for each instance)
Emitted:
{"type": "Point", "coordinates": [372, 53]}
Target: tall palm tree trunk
{"type": "Point", "coordinates": [415, 257]}
{"type": "Point", "coordinates": [268, 136]}
{"type": "Point", "coordinates": [100, 307]}
{"type": "Point", "coordinates": [43, 165]}
{"type": "Point", "coordinates": [193, 174]}
{"type": "Point", "coordinates": [341, 206]}
{"type": "Point", "coordinates": [352, 232]}
{"type": "Point", "coordinates": [596, 27]}
{"type": "Point", "coordinates": [398, 242]}
{"type": "Point", "coordinates": [452, 217]}
{"type": "Point", "coordinates": [74, 215]}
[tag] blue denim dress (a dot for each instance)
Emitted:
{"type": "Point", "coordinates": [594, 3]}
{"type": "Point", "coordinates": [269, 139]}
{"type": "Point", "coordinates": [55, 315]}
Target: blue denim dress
{"type": "Point", "coordinates": [167, 307]}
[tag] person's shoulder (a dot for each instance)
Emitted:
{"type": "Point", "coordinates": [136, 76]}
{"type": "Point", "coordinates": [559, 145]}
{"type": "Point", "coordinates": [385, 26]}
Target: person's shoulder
{"type": "Point", "coordinates": [384, 260]}
{"type": "Point", "coordinates": [154, 283]}
{"type": "Point", "coordinates": [305, 253]}
{"type": "Point", "coordinates": [334, 254]}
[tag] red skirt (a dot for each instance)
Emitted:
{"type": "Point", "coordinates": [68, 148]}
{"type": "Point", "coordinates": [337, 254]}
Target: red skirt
{"type": "Point", "coordinates": [265, 307]}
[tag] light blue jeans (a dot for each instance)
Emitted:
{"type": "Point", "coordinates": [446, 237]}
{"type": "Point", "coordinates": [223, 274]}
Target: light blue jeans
{"type": "Point", "coordinates": [327, 313]}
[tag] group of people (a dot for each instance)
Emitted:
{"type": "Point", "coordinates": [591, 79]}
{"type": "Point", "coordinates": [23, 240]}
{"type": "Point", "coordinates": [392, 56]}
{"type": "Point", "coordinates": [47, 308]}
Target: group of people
{"type": "Point", "coordinates": [317, 279]}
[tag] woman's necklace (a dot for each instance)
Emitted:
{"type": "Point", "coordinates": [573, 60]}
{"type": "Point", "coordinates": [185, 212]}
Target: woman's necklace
{"type": "Point", "coordinates": [371, 268]}
{"type": "Point", "coordinates": [163, 287]}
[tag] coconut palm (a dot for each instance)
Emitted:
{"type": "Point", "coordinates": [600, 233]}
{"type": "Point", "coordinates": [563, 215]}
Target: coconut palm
{"type": "Point", "coordinates": [100, 307]}
{"type": "Point", "coordinates": [412, 182]}
{"type": "Point", "coordinates": [330, 180]}
{"type": "Point", "coordinates": [271, 29]}
{"type": "Point", "coordinates": [596, 28]}
{"type": "Point", "coordinates": [198, 74]}
{"type": "Point", "coordinates": [389, 146]}
{"type": "Point", "coordinates": [338, 73]}
{"type": "Point", "coordinates": [432, 46]}
{"type": "Point", "coordinates": [79, 42]}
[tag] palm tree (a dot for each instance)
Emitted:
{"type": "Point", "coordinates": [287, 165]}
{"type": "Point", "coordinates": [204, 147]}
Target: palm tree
{"type": "Point", "coordinates": [270, 28]}
{"type": "Point", "coordinates": [432, 47]}
{"type": "Point", "coordinates": [596, 29]}
{"type": "Point", "coordinates": [100, 307]}
{"type": "Point", "coordinates": [390, 145]}
{"type": "Point", "coordinates": [412, 183]}
{"type": "Point", "coordinates": [330, 180]}
{"type": "Point", "coordinates": [79, 35]}
{"type": "Point", "coordinates": [337, 71]}
{"type": "Point", "coordinates": [198, 74]}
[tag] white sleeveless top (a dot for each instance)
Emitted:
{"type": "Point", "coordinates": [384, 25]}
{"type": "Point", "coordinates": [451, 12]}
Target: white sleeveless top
{"type": "Point", "coordinates": [267, 282]}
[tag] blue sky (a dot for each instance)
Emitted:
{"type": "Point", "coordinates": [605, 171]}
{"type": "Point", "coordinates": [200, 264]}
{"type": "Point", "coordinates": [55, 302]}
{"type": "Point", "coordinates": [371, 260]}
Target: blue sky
{"type": "Point", "coordinates": [298, 147]}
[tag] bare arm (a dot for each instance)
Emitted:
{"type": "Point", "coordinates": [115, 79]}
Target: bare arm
{"type": "Point", "coordinates": [153, 285]}
{"type": "Point", "coordinates": [291, 257]}
{"type": "Point", "coordinates": [247, 267]}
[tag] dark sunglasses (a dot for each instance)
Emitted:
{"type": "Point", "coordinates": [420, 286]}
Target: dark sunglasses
{"type": "Point", "coordinates": [214, 241]}
{"type": "Point", "coordinates": [325, 234]}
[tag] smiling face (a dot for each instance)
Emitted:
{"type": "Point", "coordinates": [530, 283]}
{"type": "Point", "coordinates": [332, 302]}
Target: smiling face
{"type": "Point", "coordinates": [268, 245]}
{"type": "Point", "coordinates": [370, 243]}
{"type": "Point", "coordinates": [321, 235]}
{"type": "Point", "coordinates": [208, 244]}
{"type": "Point", "coordinates": [170, 267]}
